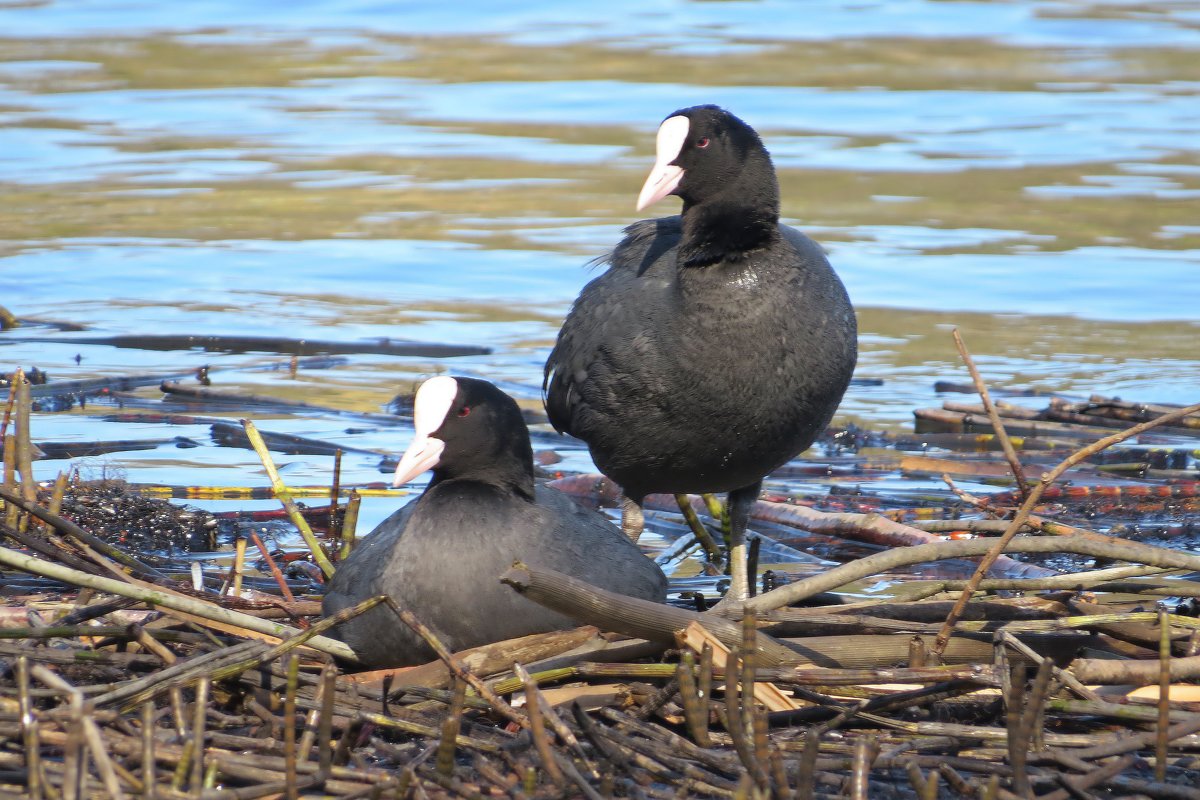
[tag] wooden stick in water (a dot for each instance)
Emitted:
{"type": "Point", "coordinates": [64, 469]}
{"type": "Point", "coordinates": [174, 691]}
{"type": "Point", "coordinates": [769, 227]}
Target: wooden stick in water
{"type": "Point", "coordinates": [350, 523]}
{"type": "Point", "coordinates": [275, 572]}
{"type": "Point", "coordinates": [239, 565]}
{"type": "Point", "coordinates": [903, 556]}
{"type": "Point", "coordinates": [11, 511]}
{"type": "Point", "coordinates": [9, 405]}
{"type": "Point", "coordinates": [335, 529]}
{"type": "Point", "coordinates": [1027, 507]}
{"type": "Point", "coordinates": [285, 497]}
{"type": "Point", "coordinates": [1010, 454]}
{"type": "Point", "coordinates": [24, 443]}
{"type": "Point", "coordinates": [10, 442]}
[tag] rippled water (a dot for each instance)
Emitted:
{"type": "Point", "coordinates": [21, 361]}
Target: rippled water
{"type": "Point", "coordinates": [1027, 171]}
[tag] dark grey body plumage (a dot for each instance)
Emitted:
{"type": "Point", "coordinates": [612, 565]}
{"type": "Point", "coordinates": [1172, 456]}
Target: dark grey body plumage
{"type": "Point", "coordinates": [704, 377]}
{"type": "Point", "coordinates": [442, 554]}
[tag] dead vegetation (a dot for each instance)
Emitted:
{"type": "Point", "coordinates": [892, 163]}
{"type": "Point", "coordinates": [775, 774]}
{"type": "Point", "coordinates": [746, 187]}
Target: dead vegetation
{"type": "Point", "coordinates": [1057, 675]}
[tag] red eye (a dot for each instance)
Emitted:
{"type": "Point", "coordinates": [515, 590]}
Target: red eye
{"type": "Point", "coordinates": [462, 412]}
{"type": "Point", "coordinates": [702, 142]}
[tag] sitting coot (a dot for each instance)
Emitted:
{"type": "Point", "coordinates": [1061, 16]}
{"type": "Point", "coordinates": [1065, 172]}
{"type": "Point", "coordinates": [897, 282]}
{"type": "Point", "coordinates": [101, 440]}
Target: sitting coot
{"type": "Point", "coordinates": [442, 555]}
{"type": "Point", "coordinates": [718, 343]}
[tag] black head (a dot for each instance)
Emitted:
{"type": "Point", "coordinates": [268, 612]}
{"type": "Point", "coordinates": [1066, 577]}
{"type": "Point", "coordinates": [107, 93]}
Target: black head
{"type": "Point", "coordinates": [468, 429]}
{"type": "Point", "coordinates": [718, 166]}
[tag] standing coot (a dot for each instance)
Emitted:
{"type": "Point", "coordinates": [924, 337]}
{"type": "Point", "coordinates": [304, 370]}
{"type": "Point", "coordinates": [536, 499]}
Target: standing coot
{"type": "Point", "coordinates": [442, 555]}
{"type": "Point", "coordinates": [718, 343]}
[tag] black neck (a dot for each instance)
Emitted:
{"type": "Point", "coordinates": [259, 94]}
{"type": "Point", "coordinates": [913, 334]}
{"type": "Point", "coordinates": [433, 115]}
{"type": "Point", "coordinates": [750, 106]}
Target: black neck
{"type": "Point", "coordinates": [740, 218]}
{"type": "Point", "coordinates": [717, 230]}
{"type": "Point", "coordinates": [516, 481]}
{"type": "Point", "coordinates": [505, 462]}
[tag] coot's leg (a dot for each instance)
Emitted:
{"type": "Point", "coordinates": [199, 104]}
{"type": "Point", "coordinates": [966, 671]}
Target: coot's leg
{"type": "Point", "coordinates": [632, 519]}
{"type": "Point", "coordinates": [711, 551]}
{"type": "Point", "coordinates": [741, 501]}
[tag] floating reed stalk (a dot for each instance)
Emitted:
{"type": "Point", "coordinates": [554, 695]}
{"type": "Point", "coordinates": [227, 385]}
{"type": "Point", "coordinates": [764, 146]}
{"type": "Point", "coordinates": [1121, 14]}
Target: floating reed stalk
{"type": "Point", "coordinates": [285, 497]}
{"type": "Point", "coordinates": [1027, 507]}
{"type": "Point", "coordinates": [273, 567]}
{"type": "Point", "coordinates": [335, 528]}
{"type": "Point", "coordinates": [9, 404]}
{"type": "Point", "coordinates": [56, 496]}
{"type": "Point", "coordinates": [239, 564]}
{"type": "Point", "coordinates": [1010, 453]}
{"type": "Point", "coordinates": [350, 523]}
{"type": "Point", "coordinates": [904, 556]}
{"type": "Point", "coordinates": [11, 511]}
{"type": "Point", "coordinates": [24, 442]}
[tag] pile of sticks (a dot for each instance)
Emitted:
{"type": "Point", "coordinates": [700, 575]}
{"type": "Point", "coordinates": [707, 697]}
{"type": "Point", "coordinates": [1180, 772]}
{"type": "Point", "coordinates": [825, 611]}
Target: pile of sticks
{"type": "Point", "coordinates": [118, 679]}
{"type": "Point", "coordinates": [135, 702]}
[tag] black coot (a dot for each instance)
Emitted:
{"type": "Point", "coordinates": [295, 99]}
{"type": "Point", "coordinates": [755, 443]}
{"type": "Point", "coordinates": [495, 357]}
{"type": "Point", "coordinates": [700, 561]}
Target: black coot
{"type": "Point", "coordinates": [442, 554]}
{"type": "Point", "coordinates": [717, 344]}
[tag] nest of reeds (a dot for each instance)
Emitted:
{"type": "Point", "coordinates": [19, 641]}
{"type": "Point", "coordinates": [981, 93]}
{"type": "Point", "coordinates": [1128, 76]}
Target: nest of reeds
{"type": "Point", "coordinates": [120, 678]}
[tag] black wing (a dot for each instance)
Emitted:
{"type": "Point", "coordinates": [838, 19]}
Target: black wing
{"type": "Point", "coordinates": [606, 311]}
